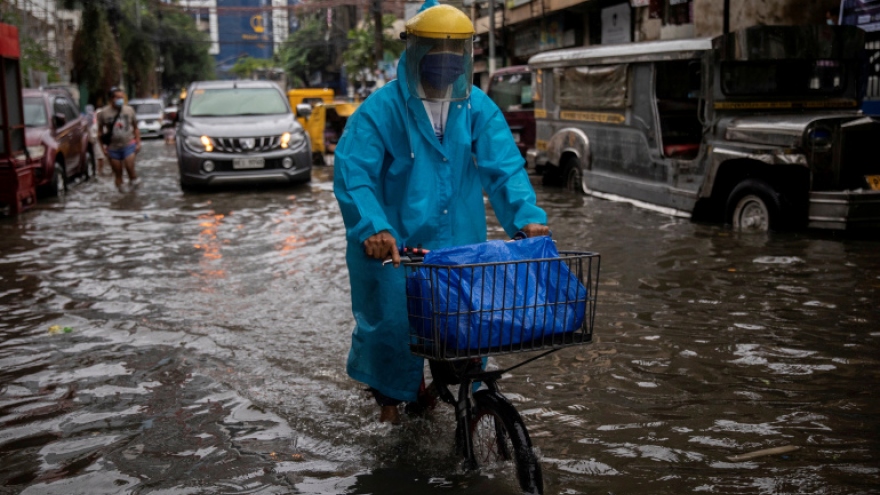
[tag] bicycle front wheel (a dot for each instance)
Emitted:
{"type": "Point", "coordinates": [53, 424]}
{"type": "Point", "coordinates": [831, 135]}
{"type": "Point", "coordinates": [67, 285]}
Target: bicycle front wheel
{"type": "Point", "coordinates": [500, 439]}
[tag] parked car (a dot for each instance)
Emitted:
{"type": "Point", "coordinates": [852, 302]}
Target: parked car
{"type": "Point", "coordinates": [149, 115]}
{"type": "Point", "coordinates": [760, 128]}
{"type": "Point", "coordinates": [54, 124]}
{"type": "Point", "coordinates": [240, 132]}
{"type": "Point", "coordinates": [511, 89]}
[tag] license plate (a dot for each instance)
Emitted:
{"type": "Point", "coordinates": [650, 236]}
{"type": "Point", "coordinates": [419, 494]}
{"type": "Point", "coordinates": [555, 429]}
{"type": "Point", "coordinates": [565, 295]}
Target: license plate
{"type": "Point", "coordinates": [241, 163]}
{"type": "Point", "coordinates": [516, 136]}
{"type": "Point", "coordinates": [873, 181]}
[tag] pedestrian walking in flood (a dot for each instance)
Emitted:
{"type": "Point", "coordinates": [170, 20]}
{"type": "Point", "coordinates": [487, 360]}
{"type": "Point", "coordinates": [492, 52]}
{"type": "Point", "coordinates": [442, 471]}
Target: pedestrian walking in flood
{"type": "Point", "coordinates": [411, 169]}
{"type": "Point", "coordinates": [120, 138]}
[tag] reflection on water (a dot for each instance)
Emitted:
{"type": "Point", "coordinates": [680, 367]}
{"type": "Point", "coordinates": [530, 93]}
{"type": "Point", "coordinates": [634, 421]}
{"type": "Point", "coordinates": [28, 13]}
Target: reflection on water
{"type": "Point", "coordinates": [209, 334]}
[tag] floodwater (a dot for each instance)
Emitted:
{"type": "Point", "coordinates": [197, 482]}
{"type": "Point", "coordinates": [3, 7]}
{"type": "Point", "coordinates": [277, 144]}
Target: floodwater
{"type": "Point", "coordinates": [207, 337]}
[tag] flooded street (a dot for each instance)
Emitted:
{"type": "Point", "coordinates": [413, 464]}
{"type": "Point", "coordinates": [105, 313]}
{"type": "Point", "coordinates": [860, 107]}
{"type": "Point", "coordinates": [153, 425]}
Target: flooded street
{"type": "Point", "coordinates": [201, 343]}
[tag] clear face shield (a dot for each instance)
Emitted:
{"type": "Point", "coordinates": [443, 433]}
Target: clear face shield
{"type": "Point", "coordinates": [439, 69]}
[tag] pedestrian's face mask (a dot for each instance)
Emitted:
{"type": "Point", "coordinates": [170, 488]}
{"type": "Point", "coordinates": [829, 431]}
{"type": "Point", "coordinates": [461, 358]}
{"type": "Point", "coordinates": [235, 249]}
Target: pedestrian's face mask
{"type": "Point", "coordinates": [441, 69]}
{"type": "Point", "coordinates": [118, 102]}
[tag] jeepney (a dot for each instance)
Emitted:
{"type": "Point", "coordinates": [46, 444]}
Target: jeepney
{"type": "Point", "coordinates": [759, 128]}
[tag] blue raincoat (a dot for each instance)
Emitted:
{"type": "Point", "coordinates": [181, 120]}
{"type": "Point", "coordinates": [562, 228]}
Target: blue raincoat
{"type": "Point", "coordinates": [392, 173]}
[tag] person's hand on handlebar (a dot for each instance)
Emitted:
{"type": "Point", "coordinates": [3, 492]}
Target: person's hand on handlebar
{"type": "Point", "coordinates": [382, 246]}
{"type": "Point", "coordinates": [535, 230]}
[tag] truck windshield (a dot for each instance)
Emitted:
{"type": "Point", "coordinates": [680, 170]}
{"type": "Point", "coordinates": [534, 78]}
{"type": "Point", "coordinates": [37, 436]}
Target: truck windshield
{"type": "Point", "coordinates": [222, 102]}
{"type": "Point", "coordinates": [790, 78]}
{"type": "Point", "coordinates": [512, 91]}
{"type": "Point", "coordinates": [35, 113]}
{"type": "Point", "coordinates": [147, 108]}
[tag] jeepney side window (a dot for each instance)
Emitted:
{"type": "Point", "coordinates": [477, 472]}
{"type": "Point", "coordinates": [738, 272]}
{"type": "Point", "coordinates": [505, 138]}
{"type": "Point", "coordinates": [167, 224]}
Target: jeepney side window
{"type": "Point", "coordinates": [783, 77]}
{"type": "Point", "coordinates": [600, 86]}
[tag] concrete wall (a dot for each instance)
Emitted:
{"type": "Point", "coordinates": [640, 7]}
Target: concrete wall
{"type": "Point", "coordinates": [709, 20]}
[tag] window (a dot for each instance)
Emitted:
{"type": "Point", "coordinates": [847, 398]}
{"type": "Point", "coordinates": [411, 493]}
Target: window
{"type": "Point", "coordinates": [512, 91]}
{"type": "Point", "coordinates": [147, 108]}
{"type": "Point", "coordinates": [601, 86]}
{"type": "Point", "coordinates": [70, 110]}
{"type": "Point", "coordinates": [35, 113]}
{"type": "Point", "coordinates": [792, 78]}
{"type": "Point", "coordinates": [236, 101]}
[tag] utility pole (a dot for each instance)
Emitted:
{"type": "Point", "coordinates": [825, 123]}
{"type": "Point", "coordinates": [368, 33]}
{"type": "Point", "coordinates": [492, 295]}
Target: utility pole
{"type": "Point", "coordinates": [726, 16]}
{"type": "Point", "coordinates": [377, 21]}
{"type": "Point", "coordinates": [491, 37]}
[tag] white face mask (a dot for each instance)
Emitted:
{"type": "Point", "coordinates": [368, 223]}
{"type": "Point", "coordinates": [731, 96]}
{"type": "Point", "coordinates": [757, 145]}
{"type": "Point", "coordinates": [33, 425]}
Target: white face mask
{"type": "Point", "coordinates": [119, 102]}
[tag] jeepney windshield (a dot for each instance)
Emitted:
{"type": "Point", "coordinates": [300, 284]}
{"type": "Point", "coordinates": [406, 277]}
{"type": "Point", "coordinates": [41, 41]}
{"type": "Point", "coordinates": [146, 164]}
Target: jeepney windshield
{"type": "Point", "coordinates": [512, 91]}
{"type": "Point", "coordinates": [789, 78]}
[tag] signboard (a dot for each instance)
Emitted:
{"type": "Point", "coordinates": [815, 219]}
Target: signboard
{"type": "Point", "coordinates": [245, 28]}
{"type": "Point", "coordinates": [862, 13]}
{"type": "Point", "coordinates": [549, 36]}
{"type": "Point", "coordinates": [616, 24]}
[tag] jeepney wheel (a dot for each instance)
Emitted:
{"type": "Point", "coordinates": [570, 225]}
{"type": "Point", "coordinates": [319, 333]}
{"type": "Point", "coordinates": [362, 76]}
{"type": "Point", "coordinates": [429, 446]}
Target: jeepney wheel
{"type": "Point", "coordinates": [574, 176]}
{"type": "Point", "coordinates": [754, 206]}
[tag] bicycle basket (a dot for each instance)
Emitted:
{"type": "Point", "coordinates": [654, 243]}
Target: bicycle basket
{"type": "Point", "coordinates": [474, 310]}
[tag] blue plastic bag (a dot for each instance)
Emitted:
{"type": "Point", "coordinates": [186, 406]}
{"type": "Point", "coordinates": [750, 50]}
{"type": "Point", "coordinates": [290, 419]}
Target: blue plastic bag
{"type": "Point", "coordinates": [512, 302]}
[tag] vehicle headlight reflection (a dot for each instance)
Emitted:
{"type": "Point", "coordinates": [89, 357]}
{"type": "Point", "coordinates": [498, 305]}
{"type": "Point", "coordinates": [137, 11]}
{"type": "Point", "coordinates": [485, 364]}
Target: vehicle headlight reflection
{"type": "Point", "coordinates": [199, 143]}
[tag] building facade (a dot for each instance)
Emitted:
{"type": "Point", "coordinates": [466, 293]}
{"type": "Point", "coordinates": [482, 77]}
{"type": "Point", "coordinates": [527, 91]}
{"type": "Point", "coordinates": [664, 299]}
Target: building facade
{"type": "Point", "coordinates": [48, 25]}
{"type": "Point", "coordinates": [526, 27]}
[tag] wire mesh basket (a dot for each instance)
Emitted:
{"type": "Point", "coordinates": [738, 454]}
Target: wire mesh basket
{"type": "Point", "coordinates": [475, 310]}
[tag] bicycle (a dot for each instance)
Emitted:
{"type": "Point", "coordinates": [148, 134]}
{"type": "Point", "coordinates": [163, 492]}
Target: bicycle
{"type": "Point", "coordinates": [456, 335]}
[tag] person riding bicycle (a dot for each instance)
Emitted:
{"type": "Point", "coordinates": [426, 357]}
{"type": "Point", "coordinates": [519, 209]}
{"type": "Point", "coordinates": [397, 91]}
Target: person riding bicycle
{"type": "Point", "coordinates": [411, 169]}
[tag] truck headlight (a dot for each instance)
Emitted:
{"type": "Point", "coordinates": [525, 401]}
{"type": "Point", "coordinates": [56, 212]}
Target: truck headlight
{"type": "Point", "coordinates": [199, 143]}
{"type": "Point", "coordinates": [36, 152]}
{"type": "Point", "coordinates": [292, 140]}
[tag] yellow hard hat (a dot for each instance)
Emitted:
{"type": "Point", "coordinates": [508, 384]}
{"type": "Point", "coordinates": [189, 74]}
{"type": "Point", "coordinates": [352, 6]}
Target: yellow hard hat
{"type": "Point", "coordinates": [442, 22]}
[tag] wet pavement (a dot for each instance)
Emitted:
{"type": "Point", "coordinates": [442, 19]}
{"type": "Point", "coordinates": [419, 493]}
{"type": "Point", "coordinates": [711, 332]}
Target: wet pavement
{"type": "Point", "coordinates": [206, 338]}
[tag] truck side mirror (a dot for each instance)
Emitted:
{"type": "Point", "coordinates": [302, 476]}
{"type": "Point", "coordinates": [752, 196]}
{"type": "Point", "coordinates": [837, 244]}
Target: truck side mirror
{"type": "Point", "coordinates": [59, 119]}
{"type": "Point", "coordinates": [303, 110]}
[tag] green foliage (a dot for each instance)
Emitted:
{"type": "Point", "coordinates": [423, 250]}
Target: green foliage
{"type": "Point", "coordinates": [96, 59]}
{"type": "Point", "coordinates": [360, 56]}
{"type": "Point", "coordinates": [308, 50]}
{"type": "Point", "coordinates": [35, 57]}
{"type": "Point", "coordinates": [184, 51]}
{"type": "Point", "coordinates": [149, 36]}
{"type": "Point", "coordinates": [245, 67]}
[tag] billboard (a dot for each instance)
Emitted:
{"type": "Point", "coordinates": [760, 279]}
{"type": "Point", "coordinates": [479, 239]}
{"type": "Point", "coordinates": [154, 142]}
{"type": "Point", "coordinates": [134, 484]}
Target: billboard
{"type": "Point", "coordinates": [245, 29]}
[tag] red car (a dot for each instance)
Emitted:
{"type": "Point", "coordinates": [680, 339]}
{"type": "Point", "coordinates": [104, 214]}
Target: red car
{"type": "Point", "coordinates": [511, 89]}
{"type": "Point", "coordinates": [55, 127]}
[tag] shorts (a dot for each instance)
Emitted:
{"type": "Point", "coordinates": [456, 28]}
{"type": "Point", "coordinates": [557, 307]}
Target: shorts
{"type": "Point", "coordinates": [123, 153]}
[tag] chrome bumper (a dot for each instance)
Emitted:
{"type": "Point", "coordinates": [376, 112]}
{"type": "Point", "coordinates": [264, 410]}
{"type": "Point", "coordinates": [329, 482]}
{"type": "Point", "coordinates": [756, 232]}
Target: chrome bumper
{"type": "Point", "coordinates": [844, 210]}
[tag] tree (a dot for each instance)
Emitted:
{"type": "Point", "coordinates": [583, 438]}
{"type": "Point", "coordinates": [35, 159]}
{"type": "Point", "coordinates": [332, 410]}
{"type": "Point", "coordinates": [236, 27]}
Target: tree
{"type": "Point", "coordinates": [245, 67]}
{"type": "Point", "coordinates": [146, 35]}
{"type": "Point", "coordinates": [360, 57]}
{"type": "Point", "coordinates": [183, 50]}
{"type": "Point", "coordinates": [34, 56]}
{"type": "Point", "coordinates": [97, 61]}
{"type": "Point", "coordinates": [308, 50]}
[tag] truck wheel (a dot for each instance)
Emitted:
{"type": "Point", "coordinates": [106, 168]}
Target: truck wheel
{"type": "Point", "coordinates": [574, 175]}
{"type": "Point", "coordinates": [754, 206]}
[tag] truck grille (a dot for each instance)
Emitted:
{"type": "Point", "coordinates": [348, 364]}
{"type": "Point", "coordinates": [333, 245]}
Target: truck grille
{"type": "Point", "coordinates": [247, 145]}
